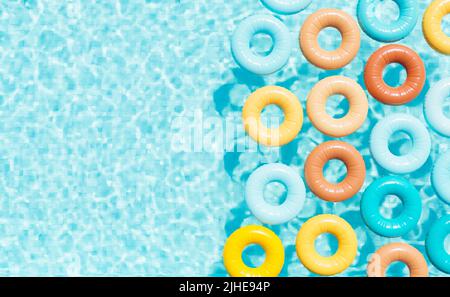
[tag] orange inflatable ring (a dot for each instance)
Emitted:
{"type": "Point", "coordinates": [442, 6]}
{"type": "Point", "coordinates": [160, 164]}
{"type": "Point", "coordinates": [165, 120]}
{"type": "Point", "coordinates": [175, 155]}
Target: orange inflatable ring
{"type": "Point", "coordinates": [415, 68]}
{"type": "Point", "coordinates": [351, 38]}
{"type": "Point", "coordinates": [356, 171]}
{"type": "Point", "coordinates": [393, 252]}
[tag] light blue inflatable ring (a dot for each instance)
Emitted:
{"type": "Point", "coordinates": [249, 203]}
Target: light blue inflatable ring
{"type": "Point", "coordinates": [435, 244]}
{"type": "Point", "coordinates": [434, 107]}
{"type": "Point", "coordinates": [388, 31]}
{"type": "Point", "coordinates": [379, 143]}
{"type": "Point", "coordinates": [275, 214]}
{"type": "Point", "coordinates": [373, 197]}
{"type": "Point", "coordinates": [247, 58]}
{"type": "Point", "coordinates": [286, 6]}
{"type": "Point", "coordinates": [440, 177]}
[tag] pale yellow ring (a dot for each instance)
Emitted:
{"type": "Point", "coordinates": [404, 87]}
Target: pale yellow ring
{"type": "Point", "coordinates": [432, 26]}
{"type": "Point", "coordinates": [293, 116]}
{"type": "Point", "coordinates": [317, 263]}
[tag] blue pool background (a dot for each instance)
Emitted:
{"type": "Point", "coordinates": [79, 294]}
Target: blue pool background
{"type": "Point", "coordinates": [89, 182]}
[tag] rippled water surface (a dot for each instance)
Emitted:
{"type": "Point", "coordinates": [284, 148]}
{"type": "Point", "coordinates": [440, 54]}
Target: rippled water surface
{"type": "Point", "coordinates": [90, 181]}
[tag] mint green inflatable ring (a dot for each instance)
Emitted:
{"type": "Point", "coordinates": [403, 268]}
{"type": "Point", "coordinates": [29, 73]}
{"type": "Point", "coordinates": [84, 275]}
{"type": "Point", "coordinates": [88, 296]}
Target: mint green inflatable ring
{"type": "Point", "coordinates": [388, 31]}
{"type": "Point", "coordinates": [286, 6]}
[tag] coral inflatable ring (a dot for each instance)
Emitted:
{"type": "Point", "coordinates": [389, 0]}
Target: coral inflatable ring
{"type": "Point", "coordinates": [356, 171]}
{"type": "Point", "coordinates": [373, 75]}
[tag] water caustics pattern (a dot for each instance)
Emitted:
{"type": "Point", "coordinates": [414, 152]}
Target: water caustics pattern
{"type": "Point", "coordinates": [89, 184]}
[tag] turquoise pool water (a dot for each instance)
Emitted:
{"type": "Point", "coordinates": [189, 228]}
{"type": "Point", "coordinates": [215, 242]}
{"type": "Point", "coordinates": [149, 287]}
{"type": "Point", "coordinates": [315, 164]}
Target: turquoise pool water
{"type": "Point", "coordinates": [93, 180]}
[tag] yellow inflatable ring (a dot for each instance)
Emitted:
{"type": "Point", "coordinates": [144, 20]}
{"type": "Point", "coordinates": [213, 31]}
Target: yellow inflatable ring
{"type": "Point", "coordinates": [293, 116]}
{"type": "Point", "coordinates": [317, 263]}
{"type": "Point", "coordinates": [240, 239]}
{"type": "Point", "coordinates": [432, 26]}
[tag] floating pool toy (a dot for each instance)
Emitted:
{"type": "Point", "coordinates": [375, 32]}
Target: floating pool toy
{"type": "Point", "coordinates": [286, 6]}
{"type": "Point", "coordinates": [356, 171]}
{"type": "Point", "coordinates": [435, 244]}
{"type": "Point", "coordinates": [434, 107]}
{"type": "Point", "coordinates": [247, 58]}
{"type": "Point", "coordinates": [245, 236]}
{"type": "Point", "coordinates": [373, 197]}
{"type": "Point", "coordinates": [393, 252]}
{"type": "Point", "coordinates": [351, 38]}
{"type": "Point", "coordinates": [379, 143]}
{"type": "Point", "coordinates": [345, 254]}
{"type": "Point", "coordinates": [373, 74]}
{"type": "Point", "coordinates": [275, 214]}
{"type": "Point", "coordinates": [293, 116]}
{"type": "Point", "coordinates": [388, 31]}
{"type": "Point", "coordinates": [432, 26]}
{"type": "Point", "coordinates": [440, 177]}
{"type": "Point", "coordinates": [317, 103]}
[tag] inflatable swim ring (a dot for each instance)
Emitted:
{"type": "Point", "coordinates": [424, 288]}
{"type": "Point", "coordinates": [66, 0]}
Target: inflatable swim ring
{"type": "Point", "coordinates": [434, 107]}
{"type": "Point", "coordinates": [440, 177]}
{"type": "Point", "coordinates": [305, 244]}
{"type": "Point", "coordinates": [432, 26]}
{"type": "Point", "coordinates": [356, 171]}
{"type": "Point", "coordinates": [317, 101]}
{"type": "Point", "coordinates": [275, 214]}
{"type": "Point", "coordinates": [388, 31]}
{"type": "Point", "coordinates": [240, 239]}
{"type": "Point", "coordinates": [373, 74]}
{"type": "Point", "coordinates": [259, 64]}
{"type": "Point", "coordinates": [286, 6]}
{"type": "Point", "coordinates": [293, 116]}
{"type": "Point", "coordinates": [393, 252]}
{"type": "Point", "coordinates": [435, 244]}
{"type": "Point", "coordinates": [373, 197]}
{"type": "Point", "coordinates": [320, 20]}
{"type": "Point", "coordinates": [379, 143]}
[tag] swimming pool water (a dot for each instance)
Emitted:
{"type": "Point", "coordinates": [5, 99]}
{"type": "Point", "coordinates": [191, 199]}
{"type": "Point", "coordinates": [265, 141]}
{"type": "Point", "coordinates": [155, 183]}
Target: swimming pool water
{"type": "Point", "coordinates": [90, 181]}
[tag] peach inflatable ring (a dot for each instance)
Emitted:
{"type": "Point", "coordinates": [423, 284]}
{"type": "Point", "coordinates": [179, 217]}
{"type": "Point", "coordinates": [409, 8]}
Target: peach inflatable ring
{"type": "Point", "coordinates": [351, 38]}
{"type": "Point", "coordinates": [393, 252]}
{"type": "Point", "coordinates": [317, 100]}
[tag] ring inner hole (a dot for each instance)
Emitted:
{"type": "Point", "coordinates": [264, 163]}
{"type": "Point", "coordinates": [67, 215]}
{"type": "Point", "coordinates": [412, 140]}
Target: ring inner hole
{"type": "Point", "coordinates": [445, 25]}
{"type": "Point", "coordinates": [397, 269]}
{"type": "Point", "coordinates": [326, 244]}
{"type": "Point", "coordinates": [272, 116]}
{"type": "Point", "coordinates": [335, 171]}
{"type": "Point", "coordinates": [385, 11]}
{"type": "Point", "coordinates": [253, 255]}
{"type": "Point", "coordinates": [391, 207]}
{"type": "Point", "coordinates": [262, 44]}
{"type": "Point", "coordinates": [400, 143]}
{"type": "Point", "coordinates": [395, 75]}
{"type": "Point", "coordinates": [337, 106]}
{"type": "Point", "coordinates": [329, 39]}
{"type": "Point", "coordinates": [275, 193]}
